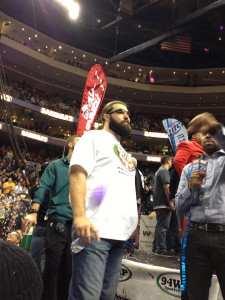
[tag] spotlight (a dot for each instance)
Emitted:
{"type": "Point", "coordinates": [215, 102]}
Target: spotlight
{"type": "Point", "coordinates": [72, 6]}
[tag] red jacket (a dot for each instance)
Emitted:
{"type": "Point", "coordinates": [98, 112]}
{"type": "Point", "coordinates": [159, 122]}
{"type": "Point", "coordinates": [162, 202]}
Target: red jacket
{"type": "Point", "coordinates": [186, 153]}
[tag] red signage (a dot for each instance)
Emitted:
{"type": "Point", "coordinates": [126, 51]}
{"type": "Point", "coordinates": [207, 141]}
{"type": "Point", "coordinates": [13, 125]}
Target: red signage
{"type": "Point", "coordinates": [93, 96]}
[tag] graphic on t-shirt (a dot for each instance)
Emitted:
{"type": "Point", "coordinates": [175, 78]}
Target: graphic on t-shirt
{"type": "Point", "coordinates": [98, 194]}
{"type": "Point", "coordinates": [124, 157]}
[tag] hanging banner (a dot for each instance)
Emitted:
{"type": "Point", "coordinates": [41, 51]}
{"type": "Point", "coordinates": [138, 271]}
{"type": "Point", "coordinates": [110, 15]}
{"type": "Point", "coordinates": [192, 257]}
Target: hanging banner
{"type": "Point", "coordinates": [176, 132]}
{"type": "Point", "coordinates": [93, 96]}
{"type": "Point", "coordinates": [141, 281]}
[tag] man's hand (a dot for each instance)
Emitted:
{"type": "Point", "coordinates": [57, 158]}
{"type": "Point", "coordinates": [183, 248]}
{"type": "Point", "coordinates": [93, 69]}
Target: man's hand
{"type": "Point", "coordinates": [196, 179]}
{"type": "Point", "coordinates": [172, 206]}
{"type": "Point", "coordinates": [85, 230]}
{"type": "Point", "coordinates": [29, 221]}
{"type": "Point", "coordinates": [202, 123]}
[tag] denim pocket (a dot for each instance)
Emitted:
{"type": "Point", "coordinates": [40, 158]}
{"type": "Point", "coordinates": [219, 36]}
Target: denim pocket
{"type": "Point", "coordinates": [39, 231]}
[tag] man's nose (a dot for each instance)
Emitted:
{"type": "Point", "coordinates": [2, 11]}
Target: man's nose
{"type": "Point", "coordinates": [126, 115]}
{"type": "Point", "coordinates": [208, 135]}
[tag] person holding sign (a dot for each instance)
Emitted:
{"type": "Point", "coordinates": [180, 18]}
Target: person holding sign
{"type": "Point", "coordinates": [187, 151]}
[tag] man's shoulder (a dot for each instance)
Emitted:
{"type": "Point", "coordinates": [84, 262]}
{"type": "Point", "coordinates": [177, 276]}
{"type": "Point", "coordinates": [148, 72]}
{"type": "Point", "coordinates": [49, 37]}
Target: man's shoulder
{"type": "Point", "coordinates": [162, 170]}
{"type": "Point", "coordinates": [92, 134]}
{"type": "Point", "coordinates": [186, 144]}
{"type": "Point", "coordinates": [196, 145]}
{"type": "Point", "coordinates": [57, 162]}
{"type": "Point", "coordinates": [61, 161]}
{"type": "Point", "coordinates": [95, 135]}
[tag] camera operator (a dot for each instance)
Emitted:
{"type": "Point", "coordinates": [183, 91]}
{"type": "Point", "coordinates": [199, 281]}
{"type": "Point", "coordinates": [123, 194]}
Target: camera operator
{"type": "Point", "coordinates": [147, 202]}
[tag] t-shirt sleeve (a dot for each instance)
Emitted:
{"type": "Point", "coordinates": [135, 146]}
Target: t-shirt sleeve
{"type": "Point", "coordinates": [84, 153]}
{"type": "Point", "coordinates": [47, 180]}
{"type": "Point", "coordinates": [165, 177]}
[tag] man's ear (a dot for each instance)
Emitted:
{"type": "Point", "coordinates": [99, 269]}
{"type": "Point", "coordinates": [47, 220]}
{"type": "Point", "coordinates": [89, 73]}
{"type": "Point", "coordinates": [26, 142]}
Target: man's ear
{"type": "Point", "coordinates": [70, 145]}
{"type": "Point", "coordinates": [193, 136]}
{"type": "Point", "coordinates": [106, 117]}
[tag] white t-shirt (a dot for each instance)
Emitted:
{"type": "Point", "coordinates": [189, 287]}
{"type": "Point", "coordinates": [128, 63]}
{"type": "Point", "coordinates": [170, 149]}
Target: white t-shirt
{"type": "Point", "coordinates": [111, 198]}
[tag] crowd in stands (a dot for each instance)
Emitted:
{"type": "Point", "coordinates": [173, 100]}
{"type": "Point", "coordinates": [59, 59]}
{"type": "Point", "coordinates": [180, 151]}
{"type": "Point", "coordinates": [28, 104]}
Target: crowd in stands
{"type": "Point", "coordinates": [43, 129]}
{"type": "Point", "coordinates": [14, 187]}
{"type": "Point", "coordinates": [139, 121]}
{"type": "Point", "coordinates": [142, 148]}
{"type": "Point", "coordinates": [53, 101]}
{"type": "Point", "coordinates": [64, 104]}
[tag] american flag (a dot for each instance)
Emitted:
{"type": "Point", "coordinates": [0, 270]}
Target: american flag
{"type": "Point", "coordinates": [182, 44]}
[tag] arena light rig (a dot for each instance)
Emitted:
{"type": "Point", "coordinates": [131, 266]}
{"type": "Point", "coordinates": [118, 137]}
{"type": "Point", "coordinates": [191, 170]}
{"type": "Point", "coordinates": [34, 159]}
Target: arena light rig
{"type": "Point", "coordinates": [72, 6]}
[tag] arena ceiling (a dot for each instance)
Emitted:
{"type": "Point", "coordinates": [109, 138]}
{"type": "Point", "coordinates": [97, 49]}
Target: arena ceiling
{"type": "Point", "coordinates": [109, 27]}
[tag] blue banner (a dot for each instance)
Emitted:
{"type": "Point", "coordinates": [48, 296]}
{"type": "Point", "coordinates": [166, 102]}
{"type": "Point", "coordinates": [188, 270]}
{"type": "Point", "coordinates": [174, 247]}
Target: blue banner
{"type": "Point", "coordinates": [176, 132]}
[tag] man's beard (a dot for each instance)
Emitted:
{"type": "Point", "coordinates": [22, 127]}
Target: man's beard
{"type": "Point", "coordinates": [210, 149]}
{"type": "Point", "coordinates": [122, 129]}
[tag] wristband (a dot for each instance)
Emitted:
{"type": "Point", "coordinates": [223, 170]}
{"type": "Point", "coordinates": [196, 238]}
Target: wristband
{"type": "Point", "coordinates": [32, 211]}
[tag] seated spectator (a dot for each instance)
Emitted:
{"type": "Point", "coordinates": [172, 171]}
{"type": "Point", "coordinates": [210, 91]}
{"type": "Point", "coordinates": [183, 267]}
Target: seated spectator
{"type": "Point", "coordinates": [15, 211]}
{"type": "Point", "coordinates": [9, 155]}
{"type": "Point", "coordinates": [8, 186]}
{"type": "Point", "coordinates": [15, 237]}
{"type": "Point", "coordinates": [18, 188]}
{"type": "Point", "coordinates": [18, 207]}
{"type": "Point", "coordinates": [25, 196]}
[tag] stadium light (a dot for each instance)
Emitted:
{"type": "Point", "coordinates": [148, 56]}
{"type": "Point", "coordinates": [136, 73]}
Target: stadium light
{"type": "Point", "coordinates": [72, 6]}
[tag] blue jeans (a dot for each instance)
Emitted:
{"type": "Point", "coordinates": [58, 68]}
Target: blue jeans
{"type": "Point", "coordinates": [37, 244]}
{"type": "Point", "coordinates": [95, 271]}
{"type": "Point", "coordinates": [162, 225]}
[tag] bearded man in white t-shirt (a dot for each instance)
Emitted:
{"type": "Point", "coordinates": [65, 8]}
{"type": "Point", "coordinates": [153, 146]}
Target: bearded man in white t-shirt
{"type": "Point", "coordinates": [103, 200]}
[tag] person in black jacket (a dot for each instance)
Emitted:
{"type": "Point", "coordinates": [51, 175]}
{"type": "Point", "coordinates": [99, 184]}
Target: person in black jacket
{"type": "Point", "coordinates": [38, 238]}
{"type": "Point", "coordinates": [173, 240]}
